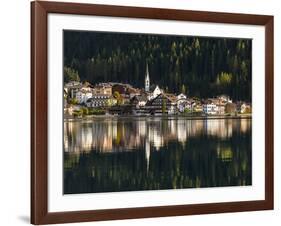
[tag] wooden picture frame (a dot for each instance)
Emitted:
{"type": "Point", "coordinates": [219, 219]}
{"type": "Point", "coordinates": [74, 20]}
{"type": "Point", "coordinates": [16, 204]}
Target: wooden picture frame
{"type": "Point", "coordinates": [39, 109]}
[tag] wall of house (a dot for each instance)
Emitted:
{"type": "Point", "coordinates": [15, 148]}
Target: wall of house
{"type": "Point", "coordinates": [15, 116]}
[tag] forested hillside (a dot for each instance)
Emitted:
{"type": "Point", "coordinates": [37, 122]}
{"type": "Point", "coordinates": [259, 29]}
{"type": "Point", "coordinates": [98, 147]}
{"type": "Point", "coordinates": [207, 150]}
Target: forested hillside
{"type": "Point", "coordinates": [198, 66]}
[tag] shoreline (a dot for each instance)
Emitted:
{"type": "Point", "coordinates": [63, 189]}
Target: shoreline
{"type": "Point", "coordinates": [209, 117]}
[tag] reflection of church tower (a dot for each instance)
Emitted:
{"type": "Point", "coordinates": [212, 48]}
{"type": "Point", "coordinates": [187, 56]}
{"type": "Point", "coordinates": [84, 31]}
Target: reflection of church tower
{"type": "Point", "coordinates": [146, 82]}
{"type": "Point", "coordinates": [147, 153]}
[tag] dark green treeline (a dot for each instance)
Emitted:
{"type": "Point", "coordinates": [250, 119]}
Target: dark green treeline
{"type": "Point", "coordinates": [198, 66]}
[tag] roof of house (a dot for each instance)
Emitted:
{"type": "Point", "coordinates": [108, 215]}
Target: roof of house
{"type": "Point", "coordinates": [181, 96]}
{"type": "Point", "coordinates": [131, 90]}
{"type": "Point", "coordinates": [140, 97]}
{"type": "Point", "coordinates": [98, 97]}
{"type": "Point", "coordinates": [102, 86]}
{"type": "Point", "coordinates": [73, 85]}
{"type": "Point", "coordinates": [172, 97]}
{"type": "Point", "coordinates": [216, 101]}
{"type": "Point", "coordinates": [87, 84]}
{"type": "Point", "coordinates": [84, 91]}
{"type": "Point", "coordinates": [169, 96]}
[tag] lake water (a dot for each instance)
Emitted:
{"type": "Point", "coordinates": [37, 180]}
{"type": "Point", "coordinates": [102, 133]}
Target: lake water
{"type": "Point", "coordinates": [138, 153]}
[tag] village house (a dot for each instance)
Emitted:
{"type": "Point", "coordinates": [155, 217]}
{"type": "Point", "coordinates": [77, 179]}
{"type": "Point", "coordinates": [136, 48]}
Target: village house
{"type": "Point", "coordinates": [172, 109]}
{"type": "Point", "coordinates": [156, 92]}
{"type": "Point", "coordinates": [103, 88]}
{"type": "Point", "coordinates": [162, 104]}
{"type": "Point", "coordinates": [125, 90]}
{"type": "Point", "coordinates": [224, 98]}
{"type": "Point", "coordinates": [197, 107]}
{"type": "Point", "coordinates": [187, 105]}
{"type": "Point", "coordinates": [71, 88]}
{"type": "Point", "coordinates": [220, 105]}
{"type": "Point", "coordinates": [101, 100]}
{"type": "Point", "coordinates": [139, 100]}
{"type": "Point", "coordinates": [82, 96]}
{"type": "Point", "coordinates": [182, 102]}
{"type": "Point", "coordinates": [192, 104]}
{"type": "Point", "coordinates": [86, 87]}
{"type": "Point", "coordinates": [243, 107]}
{"type": "Point", "coordinates": [221, 108]}
{"type": "Point", "coordinates": [216, 106]}
{"type": "Point", "coordinates": [181, 97]}
{"type": "Point", "coordinates": [221, 102]}
{"type": "Point", "coordinates": [72, 84]}
{"type": "Point", "coordinates": [133, 92]}
{"type": "Point", "coordinates": [209, 107]}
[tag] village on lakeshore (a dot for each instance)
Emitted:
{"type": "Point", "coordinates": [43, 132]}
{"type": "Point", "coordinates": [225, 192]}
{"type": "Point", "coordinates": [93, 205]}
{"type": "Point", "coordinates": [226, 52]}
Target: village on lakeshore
{"type": "Point", "coordinates": [114, 98]}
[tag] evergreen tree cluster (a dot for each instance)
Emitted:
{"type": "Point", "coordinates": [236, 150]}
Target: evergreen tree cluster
{"type": "Point", "coordinates": [199, 66]}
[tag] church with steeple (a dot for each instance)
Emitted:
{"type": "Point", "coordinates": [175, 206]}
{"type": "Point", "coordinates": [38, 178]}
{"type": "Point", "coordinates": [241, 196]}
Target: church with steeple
{"type": "Point", "coordinates": [156, 90]}
{"type": "Point", "coordinates": [147, 81]}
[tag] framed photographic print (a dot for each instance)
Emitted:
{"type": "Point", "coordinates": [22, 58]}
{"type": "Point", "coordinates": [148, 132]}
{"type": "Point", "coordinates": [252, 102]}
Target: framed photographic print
{"type": "Point", "coordinates": [145, 112]}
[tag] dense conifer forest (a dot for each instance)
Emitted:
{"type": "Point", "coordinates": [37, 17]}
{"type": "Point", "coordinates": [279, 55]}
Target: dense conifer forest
{"type": "Point", "coordinates": [198, 66]}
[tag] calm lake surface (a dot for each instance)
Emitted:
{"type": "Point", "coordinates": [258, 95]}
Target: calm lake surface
{"type": "Point", "coordinates": [149, 153]}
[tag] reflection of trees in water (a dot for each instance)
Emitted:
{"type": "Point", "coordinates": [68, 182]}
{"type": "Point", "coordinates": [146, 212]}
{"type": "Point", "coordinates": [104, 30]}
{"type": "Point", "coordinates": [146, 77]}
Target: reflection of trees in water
{"type": "Point", "coordinates": [107, 135]}
{"type": "Point", "coordinates": [204, 161]}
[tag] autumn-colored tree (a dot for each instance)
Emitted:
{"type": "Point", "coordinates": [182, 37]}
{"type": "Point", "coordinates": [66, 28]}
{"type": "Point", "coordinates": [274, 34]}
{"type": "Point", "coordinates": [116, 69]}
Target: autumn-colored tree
{"type": "Point", "coordinates": [230, 108]}
{"type": "Point", "coordinates": [118, 97]}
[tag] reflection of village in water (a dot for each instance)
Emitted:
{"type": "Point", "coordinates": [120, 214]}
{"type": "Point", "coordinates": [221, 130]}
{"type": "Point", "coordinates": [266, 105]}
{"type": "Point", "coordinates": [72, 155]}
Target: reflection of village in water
{"type": "Point", "coordinates": [121, 134]}
{"type": "Point", "coordinates": [226, 140]}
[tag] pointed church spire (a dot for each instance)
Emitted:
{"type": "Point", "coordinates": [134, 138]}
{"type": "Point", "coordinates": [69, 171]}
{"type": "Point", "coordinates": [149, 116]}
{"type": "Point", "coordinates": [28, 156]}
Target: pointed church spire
{"type": "Point", "coordinates": [147, 82]}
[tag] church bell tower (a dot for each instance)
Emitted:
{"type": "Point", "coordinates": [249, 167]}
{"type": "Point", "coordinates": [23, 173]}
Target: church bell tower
{"type": "Point", "coordinates": [147, 82]}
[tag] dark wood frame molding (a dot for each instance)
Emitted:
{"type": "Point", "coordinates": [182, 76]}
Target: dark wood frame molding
{"type": "Point", "coordinates": [39, 107]}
